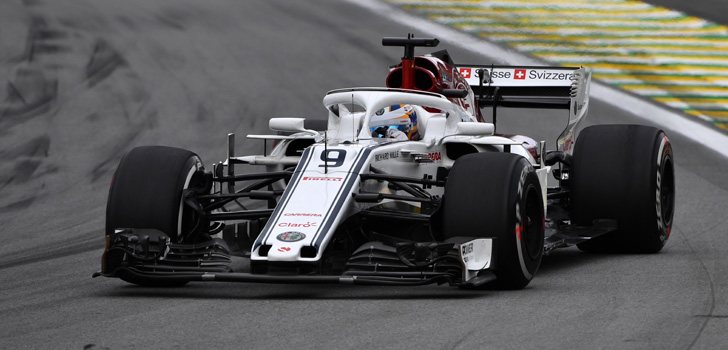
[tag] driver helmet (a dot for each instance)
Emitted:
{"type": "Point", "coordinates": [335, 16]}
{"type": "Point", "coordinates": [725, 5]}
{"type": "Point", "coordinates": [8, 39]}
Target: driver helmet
{"type": "Point", "coordinates": [396, 121]}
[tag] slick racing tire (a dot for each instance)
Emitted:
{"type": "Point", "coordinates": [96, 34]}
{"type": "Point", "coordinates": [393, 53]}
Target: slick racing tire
{"type": "Point", "coordinates": [498, 195]}
{"type": "Point", "coordinates": [146, 192]}
{"type": "Point", "coordinates": [624, 173]}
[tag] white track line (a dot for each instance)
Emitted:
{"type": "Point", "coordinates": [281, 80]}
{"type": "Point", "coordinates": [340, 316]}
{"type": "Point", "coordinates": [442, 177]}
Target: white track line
{"type": "Point", "coordinates": [671, 120]}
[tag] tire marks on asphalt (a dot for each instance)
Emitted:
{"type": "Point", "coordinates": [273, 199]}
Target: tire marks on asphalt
{"type": "Point", "coordinates": [93, 241]}
{"type": "Point", "coordinates": [104, 61]}
{"type": "Point", "coordinates": [60, 66]}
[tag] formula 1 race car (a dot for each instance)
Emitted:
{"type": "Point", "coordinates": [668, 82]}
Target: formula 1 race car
{"type": "Point", "coordinates": [403, 185]}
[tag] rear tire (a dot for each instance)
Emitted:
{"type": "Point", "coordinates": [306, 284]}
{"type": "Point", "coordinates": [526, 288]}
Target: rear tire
{"type": "Point", "coordinates": [498, 195]}
{"type": "Point", "coordinates": [146, 192]}
{"type": "Point", "coordinates": [624, 173]}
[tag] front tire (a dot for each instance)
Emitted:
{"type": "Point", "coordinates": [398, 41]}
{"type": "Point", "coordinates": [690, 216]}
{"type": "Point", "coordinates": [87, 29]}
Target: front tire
{"type": "Point", "coordinates": [498, 195]}
{"type": "Point", "coordinates": [146, 193]}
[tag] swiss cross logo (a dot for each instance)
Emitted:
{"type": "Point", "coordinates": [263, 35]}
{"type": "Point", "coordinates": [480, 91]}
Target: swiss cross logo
{"type": "Point", "coordinates": [519, 74]}
{"type": "Point", "coordinates": [465, 72]}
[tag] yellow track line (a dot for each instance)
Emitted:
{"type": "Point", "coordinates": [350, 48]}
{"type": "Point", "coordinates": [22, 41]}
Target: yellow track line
{"type": "Point", "coordinates": [618, 3]}
{"type": "Point", "coordinates": [539, 49]}
{"type": "Point", "coordinates": [624, 6]}
{"type": "Point", "coordinates": [533, 2]}
{"type": "Point", "coordinates": [606, 39]}
{"type": "Point", "coordinates": [586, 30]}
{"type": "Point", "coordinates": [554, 22]}
{"type": "Point", "coordinates": [676, 91]}
{"type": "Point", "coordinates": [661, 81]}
{"type": "Point", "coordinates": [712, 114]}
{"type": "Point", "coordinates": [547, 12]}
{"type": "Point", "coordinates": [639, 59]}
{"type": "Point", "coordinates": [705, 101]}
{"type": "Point", "coordinates": [698, 70]}
{"type": "Point", "coordinates": [664, 78]}
{"type": "Point", "coordinates": [680, 89]}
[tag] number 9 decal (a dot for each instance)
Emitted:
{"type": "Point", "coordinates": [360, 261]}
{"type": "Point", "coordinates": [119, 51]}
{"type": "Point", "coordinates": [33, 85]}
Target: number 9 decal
{"type": "Point", "coordinates": [337, 160]}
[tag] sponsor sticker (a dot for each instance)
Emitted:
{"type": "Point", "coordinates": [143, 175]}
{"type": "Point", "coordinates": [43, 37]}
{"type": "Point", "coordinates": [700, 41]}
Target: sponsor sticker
{"type": "Point", "coordinates": [466, 72]}
{"type": "Point", "coordinates": [499, 74]}
{"type": "Point", "coordinates": [386, 155]}
{"type": "Point", "coordinates": [476, 254]}
{"type": "Point", "coordinates": [322, 178]}
{"type": "Point", "coordinates": [284, 249]}
{"type": "Point", "coordinates": [303, 214]}
{"type": "Point", "coordinates": [297, 224]}
{"type": "Point", "coordinates": [466, 250]}
{"type": "Point", "coordinates": [550, 75]}
{"type": "Point", "coordinates": [516, 76]}
{"type": "Point", "coordinates": [291, 236]}
{"type": "Point", "coordinates": [519, 74]}
{"type": "Point", "coordinates": [427, 157]}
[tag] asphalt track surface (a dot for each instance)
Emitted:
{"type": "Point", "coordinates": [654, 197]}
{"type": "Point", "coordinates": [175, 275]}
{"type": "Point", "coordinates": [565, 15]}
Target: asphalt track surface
{"type": "Point", "coordinates": [95, 78]}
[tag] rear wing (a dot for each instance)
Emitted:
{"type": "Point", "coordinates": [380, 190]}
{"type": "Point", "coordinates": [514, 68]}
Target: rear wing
{"type": "Point", "coordinates": [528, 87]}
{"type": "Point", "coordinates": [533, 87]}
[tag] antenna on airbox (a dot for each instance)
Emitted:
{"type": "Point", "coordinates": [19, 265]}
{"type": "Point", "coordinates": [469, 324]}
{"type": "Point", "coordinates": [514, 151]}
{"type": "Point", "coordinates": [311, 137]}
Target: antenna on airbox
{"type": "Point", "coordinates": [326, 152]}
{"type": "Point", "coordinates": [408, 60]}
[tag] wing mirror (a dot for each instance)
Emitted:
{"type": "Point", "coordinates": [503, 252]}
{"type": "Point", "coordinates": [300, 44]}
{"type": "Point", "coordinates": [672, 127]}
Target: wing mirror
{"type": "Point", "coordinates": [475, 129]}
{"type": "Point", "coordinates": [290, 125]}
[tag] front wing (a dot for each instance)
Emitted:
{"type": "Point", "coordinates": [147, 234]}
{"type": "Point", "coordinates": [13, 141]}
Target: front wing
{"type": "Point", "coordinates": [149, 256]}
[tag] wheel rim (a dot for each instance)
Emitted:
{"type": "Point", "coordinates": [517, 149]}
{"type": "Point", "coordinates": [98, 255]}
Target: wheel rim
{"type": "Point", "coordinates": [667, 192]}
{"type": "Point", "coordinates": [183, 211]}
{"type": "Point", "coordinates": [532, 230]}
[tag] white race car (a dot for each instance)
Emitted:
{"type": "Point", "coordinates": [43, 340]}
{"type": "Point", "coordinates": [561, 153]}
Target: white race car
{"type": "Point", "coordinates": [403, 185]}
